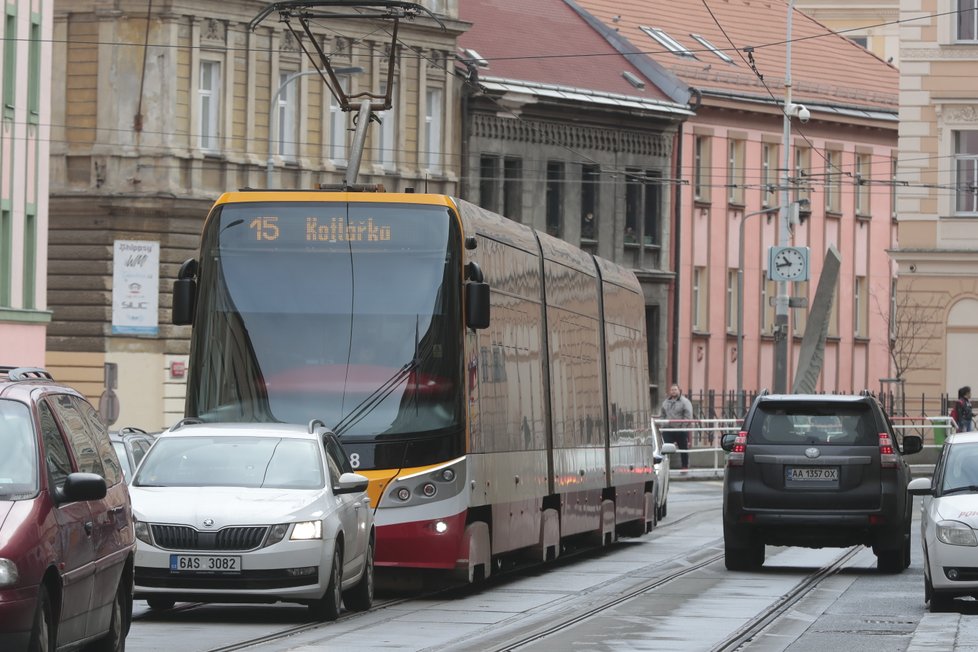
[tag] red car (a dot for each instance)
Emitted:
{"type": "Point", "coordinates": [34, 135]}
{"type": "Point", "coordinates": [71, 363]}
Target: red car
{"type": "Point", "coordinates": [66, 532]}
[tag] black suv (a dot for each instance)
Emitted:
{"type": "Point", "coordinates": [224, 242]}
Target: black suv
{"type": "Point", "coordinates": [817, 471]}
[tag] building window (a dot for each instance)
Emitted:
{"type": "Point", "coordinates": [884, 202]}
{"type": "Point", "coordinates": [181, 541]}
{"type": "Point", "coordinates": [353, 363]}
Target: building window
{"type": "Point", "coordinates": [209, 96]}
{"type": "Point", "coordinates": [34, 72]}
{"type": "Point", "coordinates": [861, 41]}
{"type": "Point", "coordinates": [433, 127]}
{"type": "Point", "coordinates": [735, 171]}
{"type": "Point", "coordinates": [337, 127]}
{"type": "Point", "coordinates": [288, 123]}
{"type": "Point", "coordinates": [833, 330]}
{"type": "Point", "coordinates": [489, 182]}
{"type": "Point", "coordinates": [513, 187]}
{"type": "Point", "coordinates": [861, 307]}
{"type": "Point", "coordinates": [769, 173]}
{"type": "Point", "coordinates": [652, 328]}
{"type": "Point", "coordinates": [701, 169]}
{"type": "Point", "coordinates": [833, 181]}
{"type": "Point", "coordinates": [387, 141]}
{"type": "Point", "coordinates": [862, 181]}
{"type": "Point", "coordinates": [802, 177]}
{"type": "Point", "coordinates": [732, 301]}
{"type": "Point", "coordinates": [651, 225]}
{"type": "Point", "coordinates": [799, 316]}
{"type": "Point", "coordinates": [9, 59]}
{"type": "Point", "coordinates": [769, 290]}
{"type": "Point", "coordinates": [590, 183]}
{"type": "Point", "coordinates": [30, 257]}
{"type": "Point", "coordinates": [712, 48]}
{"type": "Point", "coordinates": [700, 292]}
{"type": "Point", "coordinates": [6, 255]}
{"type": "Point", "coordinates": [555, 197]}
{"type": "Point", "coordinates": [667, 41]}
{"type": "Point", "coordinates": [967, 20]}
{"type": "Point", "coordinates": [966, 169]}
{"type": "Point", "coordinates": [633, 204]}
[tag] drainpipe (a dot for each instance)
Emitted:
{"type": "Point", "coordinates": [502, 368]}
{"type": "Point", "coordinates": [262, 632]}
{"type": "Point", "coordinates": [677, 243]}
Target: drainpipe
{"type": "Point", "coordinates": [677, 241]}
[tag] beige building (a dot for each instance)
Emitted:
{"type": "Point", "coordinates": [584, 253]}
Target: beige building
{"type": "Point", "coordinates": [873, 24]}
{"type": "Point", "coordinates": [158, 111]}
{"type": "Point", "coordinates": [936, 316]}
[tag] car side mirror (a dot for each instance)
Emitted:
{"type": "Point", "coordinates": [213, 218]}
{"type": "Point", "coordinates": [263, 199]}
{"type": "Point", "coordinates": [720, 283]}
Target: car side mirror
{"type": "Point", "coordinates": [668, 448]}
{"type": "Point", "coordinates": [658, 458]}
{"type": "Point", "coordinates": [79, 487]}
{"type": "Point", "coordinates": [920, 487]}
{"type": "Point", "coordinates": [350, 483]}
{"type": "Point", "coordinates": [727, 441]}
{"type": "Point", "coordinates": [912, 444]}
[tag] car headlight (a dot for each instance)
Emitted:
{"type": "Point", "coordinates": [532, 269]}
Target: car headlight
{"type": "Point", "coordinates": [277, 533]}
{"type": "Point", "coordinates": [307, 530]}
{"type": "Point", "coordinates": [142, 532]}
{"type": "Point", "coordinates": [954, 533]}
{"type": "Point", "coordinates": [8, 572]}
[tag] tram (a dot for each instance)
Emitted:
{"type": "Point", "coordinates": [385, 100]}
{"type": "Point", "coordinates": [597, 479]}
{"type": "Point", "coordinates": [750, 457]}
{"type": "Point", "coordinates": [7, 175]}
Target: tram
{"type": "Point", "coordinates": [490, 380]}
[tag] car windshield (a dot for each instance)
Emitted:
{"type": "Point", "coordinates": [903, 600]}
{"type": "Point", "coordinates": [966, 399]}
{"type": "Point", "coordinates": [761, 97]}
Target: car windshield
{"type": "Point", "coordinates": [807, 423]}
{"type": "Point", "coordinates": [230, 461]}
{"type": "Point", "coordinates": [960, 469]}
{"type": "Point", "coordinates": [18, 452]}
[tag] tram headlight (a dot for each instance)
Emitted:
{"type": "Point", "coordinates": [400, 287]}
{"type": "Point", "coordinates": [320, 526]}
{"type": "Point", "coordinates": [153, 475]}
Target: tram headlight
{"type": "Point", "coordinates": [429, 489]}
{"type": "Point", "coordinates": [403, 494]}
{"type": "Point", "coordinates": [448, 475]}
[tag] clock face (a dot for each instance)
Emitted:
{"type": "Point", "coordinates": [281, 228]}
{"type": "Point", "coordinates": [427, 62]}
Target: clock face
{"type": "Point", "coordinates": [789, 263]}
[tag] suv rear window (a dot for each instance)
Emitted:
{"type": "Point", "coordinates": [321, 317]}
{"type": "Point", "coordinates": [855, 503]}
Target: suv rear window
{"type": "Point", "coordinates": [806, 423]}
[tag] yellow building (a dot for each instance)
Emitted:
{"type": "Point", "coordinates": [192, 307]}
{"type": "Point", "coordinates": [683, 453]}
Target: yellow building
{"type": "Point", "coordinates": [935, 319]}
{"type": "Point", "coordinates": [873, 24]}
{"type": "Point", "coordinates": [159, 109]}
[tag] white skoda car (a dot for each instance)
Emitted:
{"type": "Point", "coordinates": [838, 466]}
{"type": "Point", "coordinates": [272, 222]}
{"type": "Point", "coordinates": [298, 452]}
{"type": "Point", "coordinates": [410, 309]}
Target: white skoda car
{"type": "Point", "coordinates": [949, 522]}
{"type": "Point", "coordinates": [252, 513]}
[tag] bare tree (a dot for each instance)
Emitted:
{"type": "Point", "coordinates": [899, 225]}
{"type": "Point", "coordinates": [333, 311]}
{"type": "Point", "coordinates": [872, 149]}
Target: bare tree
{"type": "Point", "coordinates": [911, 327]}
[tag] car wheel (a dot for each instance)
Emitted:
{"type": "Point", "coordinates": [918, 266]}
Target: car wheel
{"type": "Point", "coordinates": [742, 554]}
{"type": "Point", "coordinates": [328, 607]}
{"type": "Point", "coordinates": [891, 561]}
{"type": "Point", "coordinates": [160, 604]}
{"type": "Point", "coordinates": [115, 639]}
{"type": "Point", "coordinates": [44, 631]}
{"type": "Point", "coordinates": [662, 510]}
{"type": "Point", "coordinates": [940, 602]}
{"type": "Point", "coordinates": [361, 596]}
{"type": "Point", "coordinates": [907, 547]}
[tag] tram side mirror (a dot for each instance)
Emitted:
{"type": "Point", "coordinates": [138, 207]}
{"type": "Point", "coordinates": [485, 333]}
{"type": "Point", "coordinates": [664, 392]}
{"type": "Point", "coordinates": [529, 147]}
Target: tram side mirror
{"type": "Point", "coordinates": [185, 294]}
{"type": "Point", "coordinates": [477, 305]}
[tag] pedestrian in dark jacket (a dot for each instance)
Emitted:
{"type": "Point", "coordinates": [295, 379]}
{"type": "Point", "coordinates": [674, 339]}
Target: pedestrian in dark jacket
{"type": "Point", "coordinates": [962, 412]}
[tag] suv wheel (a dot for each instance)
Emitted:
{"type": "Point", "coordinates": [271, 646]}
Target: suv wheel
{"type": "Point", "coordinates": [891, 561]}
{"type": "Point", "coordinates": [741, 554]}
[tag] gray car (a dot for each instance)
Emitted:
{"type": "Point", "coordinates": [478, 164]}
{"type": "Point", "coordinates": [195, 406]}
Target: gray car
{"type": "Point", "coordinates": [817, 471]}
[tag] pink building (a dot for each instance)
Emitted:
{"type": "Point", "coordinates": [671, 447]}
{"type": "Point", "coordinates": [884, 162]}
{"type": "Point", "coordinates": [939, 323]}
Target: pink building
{"type": "Point", "coordinates": [732, 55]}
{"type": "Point", "coordinates": [25, 72]}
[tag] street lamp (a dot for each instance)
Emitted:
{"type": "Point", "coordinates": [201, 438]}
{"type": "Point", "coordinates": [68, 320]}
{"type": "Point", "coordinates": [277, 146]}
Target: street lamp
{"type": "Point", "coordinates": [273, 127]}
{"type": "Point", "coordinates": [740, 295]}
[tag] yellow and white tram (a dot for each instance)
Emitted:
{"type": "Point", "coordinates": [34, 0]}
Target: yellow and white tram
{"type": "Point", "coordinates": [489, 379]}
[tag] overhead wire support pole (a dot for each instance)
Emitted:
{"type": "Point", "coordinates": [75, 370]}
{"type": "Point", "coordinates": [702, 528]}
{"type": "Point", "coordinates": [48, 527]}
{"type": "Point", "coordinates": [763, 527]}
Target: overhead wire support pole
{"type": "Point", "coordinates": [781, 301]}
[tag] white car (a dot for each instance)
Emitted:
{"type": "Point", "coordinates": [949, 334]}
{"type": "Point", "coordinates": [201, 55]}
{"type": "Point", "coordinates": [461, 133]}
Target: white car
{"type": "Point", "coordinates": [949, 522]}
{"type": "Point", "coordinates": [660, 454]}
{"type": "Point", "coordinates": [252, 513]}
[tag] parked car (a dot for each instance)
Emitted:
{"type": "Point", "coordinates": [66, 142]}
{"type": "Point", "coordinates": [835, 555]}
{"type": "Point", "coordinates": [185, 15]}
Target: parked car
{"type": "Point", "coordinates": [660, 454]}
{"type": "Point", "coordinates": [66, 531]}
{"type": "Point", "coordinates": [949, 521]}
{"type": "Point", "coordinates": [817, 471]}
{"type": "Point", "coordinates": [131, 445]}
{"type": "Point", "coordinates": [253, 513]}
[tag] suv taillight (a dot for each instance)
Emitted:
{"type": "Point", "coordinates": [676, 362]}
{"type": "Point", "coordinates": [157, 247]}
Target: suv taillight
{"type": "Point", "coordinates": [888, 459]}
{"type": "Point", "coordinates": [736, 457]}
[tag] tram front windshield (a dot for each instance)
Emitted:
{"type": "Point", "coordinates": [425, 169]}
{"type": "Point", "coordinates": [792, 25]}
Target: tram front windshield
{"type": "Point", "coordinates": [347, 313]}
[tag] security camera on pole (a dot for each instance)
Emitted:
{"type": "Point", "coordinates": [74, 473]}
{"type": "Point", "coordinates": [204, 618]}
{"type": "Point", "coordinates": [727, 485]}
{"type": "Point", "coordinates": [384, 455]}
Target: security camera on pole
{"type": "Point", "coordinates": [786, 263]}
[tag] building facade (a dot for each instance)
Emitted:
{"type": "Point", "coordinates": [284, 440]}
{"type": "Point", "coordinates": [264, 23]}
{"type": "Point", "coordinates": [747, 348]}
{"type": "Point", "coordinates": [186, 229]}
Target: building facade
{"type": "Point", "coordinates": [936, 304]}
{"type": "Point", "coordinates": [732, 55]}
{"type": "Point", "coordinates": [161, 108]}
{"type": "Point", "coordinates": [873, 24]}
{"type": "Point", "coordinates": [25, 65]}
{"type": "Point", "coordinates": [582, 147]}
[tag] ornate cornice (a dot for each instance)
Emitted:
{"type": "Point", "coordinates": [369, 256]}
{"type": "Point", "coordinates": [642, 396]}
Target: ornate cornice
{"type": "Point", "coordinates": [571, 136]}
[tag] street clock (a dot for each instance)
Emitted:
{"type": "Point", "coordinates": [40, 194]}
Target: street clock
{"type": "Point", "coordinates": [787, 264]}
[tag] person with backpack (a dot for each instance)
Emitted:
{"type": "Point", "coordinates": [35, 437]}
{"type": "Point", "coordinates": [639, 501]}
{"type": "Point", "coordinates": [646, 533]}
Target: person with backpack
{"type": "Point", "coordinates": [962, 412]}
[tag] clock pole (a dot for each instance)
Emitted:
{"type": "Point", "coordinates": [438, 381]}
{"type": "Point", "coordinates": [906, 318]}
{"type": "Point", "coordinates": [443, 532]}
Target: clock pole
{"type": "Point", "coordinates": [781, 301]}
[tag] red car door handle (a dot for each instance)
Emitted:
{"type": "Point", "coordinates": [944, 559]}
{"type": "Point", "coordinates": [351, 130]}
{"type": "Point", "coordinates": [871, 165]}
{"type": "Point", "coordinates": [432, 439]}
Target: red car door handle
{"type": "Point", "coordinates": [88, 528]}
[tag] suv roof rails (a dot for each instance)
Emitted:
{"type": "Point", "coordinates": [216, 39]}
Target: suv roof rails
{"type": "Point", "coordinates": [186, 421]}
{"type": "Point", "coordinates": [27, 373]}
{"type": "Point", "coordinates": [764, 392]}
{"type": "Point", "coordinates": [865, 392]}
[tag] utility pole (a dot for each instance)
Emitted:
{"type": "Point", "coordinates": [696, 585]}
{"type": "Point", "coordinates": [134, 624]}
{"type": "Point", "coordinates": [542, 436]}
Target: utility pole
{"type": "Point", "coordinates": [781, 301]}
